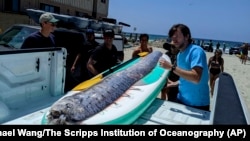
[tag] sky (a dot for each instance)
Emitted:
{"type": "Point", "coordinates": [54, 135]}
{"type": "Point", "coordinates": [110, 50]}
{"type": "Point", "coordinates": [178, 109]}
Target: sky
{"type": "Point", "coordinates": [227, 20]}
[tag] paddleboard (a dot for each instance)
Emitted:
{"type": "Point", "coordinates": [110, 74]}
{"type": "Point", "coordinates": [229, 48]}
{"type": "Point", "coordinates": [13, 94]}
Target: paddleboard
{"type": "Point", "coordinates": [130, 105]}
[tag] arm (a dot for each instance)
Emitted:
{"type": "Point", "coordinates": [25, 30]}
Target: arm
{"type": "Point", "coordinates": [90, 66]}
{"type": "Point", "coordinates": [194, 75]}
{"type": "Point", "coordinates": [74, 64]}
{"type": "Point", "coordinates": [222, 65]}
{"type": "Point", "coordinates": [135, 53]}
{"type": "Point", "coordinates": [172, 83]}
{"type": "Point", "coordinates": [150, 49]}
{"type": "Point", "coordinates": [209, 62]}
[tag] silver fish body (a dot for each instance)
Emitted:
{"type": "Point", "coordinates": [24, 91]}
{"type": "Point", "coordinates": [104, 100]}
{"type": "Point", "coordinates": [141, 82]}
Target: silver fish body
{"type": "Point", "coordinates": [78, 107]}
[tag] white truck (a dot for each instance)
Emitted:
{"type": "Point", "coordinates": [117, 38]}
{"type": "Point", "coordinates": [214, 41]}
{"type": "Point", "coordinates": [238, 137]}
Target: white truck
{"type": "Point", "coordinates": [31, 80]}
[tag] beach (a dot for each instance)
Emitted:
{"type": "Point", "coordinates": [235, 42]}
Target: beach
{"type": "Point", "coordinates": [232, 65]}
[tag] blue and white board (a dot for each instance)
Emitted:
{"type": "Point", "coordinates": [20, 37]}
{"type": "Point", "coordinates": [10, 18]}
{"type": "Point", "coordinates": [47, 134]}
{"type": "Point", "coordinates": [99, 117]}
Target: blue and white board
{"type": "Point", "coordinates": [128, 107]}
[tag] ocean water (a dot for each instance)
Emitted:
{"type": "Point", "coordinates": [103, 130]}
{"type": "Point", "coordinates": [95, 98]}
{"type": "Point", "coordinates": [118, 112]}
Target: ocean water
{"type": "Point", "coordinates": [152, 37]}
{"type": "Point", "coordinates": [198, 41]}
{"type": "Point", "coordinates": [228, 44]}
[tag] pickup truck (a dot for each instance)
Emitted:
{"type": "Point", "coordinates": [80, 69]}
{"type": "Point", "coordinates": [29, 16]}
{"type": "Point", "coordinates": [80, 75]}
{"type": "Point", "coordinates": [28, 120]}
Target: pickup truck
{"type": "Point", "coordinates": [13, 38]}
{"type": "Point", "coordinates": [31, 80]}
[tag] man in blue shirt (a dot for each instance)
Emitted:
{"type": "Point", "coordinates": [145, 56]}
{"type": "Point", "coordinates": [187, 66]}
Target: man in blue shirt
{"type": "Point", "coordinates": [192, 68]}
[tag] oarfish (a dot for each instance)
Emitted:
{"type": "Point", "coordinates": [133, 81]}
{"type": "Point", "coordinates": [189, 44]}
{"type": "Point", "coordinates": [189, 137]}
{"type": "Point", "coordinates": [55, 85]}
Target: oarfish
{"type": "Point", "coordinates": [82, 105]}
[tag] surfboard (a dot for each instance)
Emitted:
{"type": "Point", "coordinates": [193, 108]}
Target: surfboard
{"type": "Point", "coordinates": [130, 105]}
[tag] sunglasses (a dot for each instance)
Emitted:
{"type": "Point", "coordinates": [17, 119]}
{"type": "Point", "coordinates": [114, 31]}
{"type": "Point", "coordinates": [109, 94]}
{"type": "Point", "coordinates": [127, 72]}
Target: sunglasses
{"type": "Point", "coordinates": [52, 24]}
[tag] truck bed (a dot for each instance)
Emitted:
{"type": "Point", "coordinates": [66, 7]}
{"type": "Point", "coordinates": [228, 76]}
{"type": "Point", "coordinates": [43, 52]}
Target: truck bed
{"type": "Point", "coordinates": [163, 112]}
{"type": "Point", "coordinates": [30, 80]}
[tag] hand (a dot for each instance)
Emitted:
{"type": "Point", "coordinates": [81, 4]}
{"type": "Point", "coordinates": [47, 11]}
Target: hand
{"type": "Point", "coordinates": [172, 83]}
{"type": "Point", "coordinates": [165, 64]}
{"type": "Point", "coordinates": [72, 69]}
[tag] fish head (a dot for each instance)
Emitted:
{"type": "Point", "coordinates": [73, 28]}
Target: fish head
{"type": "Point", "coordinates": [66, 111]}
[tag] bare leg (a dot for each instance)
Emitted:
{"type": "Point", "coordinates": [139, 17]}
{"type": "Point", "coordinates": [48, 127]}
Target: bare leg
{"type": "Point", "coordinates": [164, 93]}
{"type": "Point", "coordinates": [211, 83]}
{"type": "Point", "coordinates": [245, 59]}
{"type": "Point", "coordinates": [212, 87]}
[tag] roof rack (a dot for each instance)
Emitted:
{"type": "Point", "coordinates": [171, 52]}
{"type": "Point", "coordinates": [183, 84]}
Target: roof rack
{"type": "Point", "coordinates": [80, 23]}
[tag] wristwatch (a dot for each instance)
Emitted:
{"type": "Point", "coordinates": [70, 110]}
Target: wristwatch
{"type": "Point", "coordinates": [173, 67]}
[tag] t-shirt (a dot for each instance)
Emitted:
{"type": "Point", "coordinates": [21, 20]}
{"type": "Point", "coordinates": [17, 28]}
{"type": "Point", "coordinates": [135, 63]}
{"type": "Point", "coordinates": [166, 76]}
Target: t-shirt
{"type": "Point", "coordinates": [104, 57]}
{"type": "Point", "coordinates": [191, 93]}
{"type": "Point", "coordinates": [87, 50]}
{"type": "Point", "coordinates": [37, 40]}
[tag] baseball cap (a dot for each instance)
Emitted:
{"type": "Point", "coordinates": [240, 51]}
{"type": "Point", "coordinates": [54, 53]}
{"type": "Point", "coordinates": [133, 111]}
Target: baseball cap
{"type": "Point", "coordinates": [167, 46]}
{"type": "Point", "coordinates": [108, 33]}
{"type": "Point", "coordinates": [47, 17]}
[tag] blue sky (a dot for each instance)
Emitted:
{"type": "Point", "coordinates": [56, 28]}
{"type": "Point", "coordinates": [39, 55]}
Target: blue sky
{"type": "Point", "coordinates": [210, 19]}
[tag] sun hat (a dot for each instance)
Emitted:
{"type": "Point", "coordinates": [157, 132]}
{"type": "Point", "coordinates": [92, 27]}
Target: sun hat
{"type": "Point", "coordinates": [47, 17]}
{"type": "Point", "coordinates": [108, 33]}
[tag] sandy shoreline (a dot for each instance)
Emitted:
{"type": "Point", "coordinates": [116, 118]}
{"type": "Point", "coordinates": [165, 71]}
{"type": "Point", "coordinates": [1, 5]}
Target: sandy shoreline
{"type": "Point", "coordinates": [232, 66]}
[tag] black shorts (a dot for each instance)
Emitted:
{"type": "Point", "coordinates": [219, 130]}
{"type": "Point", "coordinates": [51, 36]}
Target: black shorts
{"type": "Point", "coordinates": [215, 71]}
{"type": "Point", "coordinates": [172, 93]}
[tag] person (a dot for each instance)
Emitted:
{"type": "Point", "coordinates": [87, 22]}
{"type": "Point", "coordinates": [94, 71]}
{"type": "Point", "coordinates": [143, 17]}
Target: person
{"type": "Point", "coordinates": [143, 45]}
{"type": "Point", "coordinates": [224, 47]}
{"type": "Point", "coordinates": [244, 51]}
{"type": "Point", "coordinates": [84, 54]}
{"type": "Point", "coordinates": [104, 56]}
{"type": "Point", "coordinates": [216, 66]}
{"type": "Point", "coordinates": [43, 37]}
{"type": "Point", "coordinates": [170, 91]}
{"type": "Point", "coordinates": [72, 41]}
{"type": "Point", "coordinates": [191, 67]}
{"type": "Point", "coordinates": [210, 47]}
{"type": "Point", "coordinates": [218, 45]}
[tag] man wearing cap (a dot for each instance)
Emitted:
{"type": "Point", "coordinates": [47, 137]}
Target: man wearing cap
{"type": "Point", "coordinates": [84, 54]}
{"type": "Point", "coordinates": [42, 38]}
{"type": "Point", "coordinates": [104, 56]}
